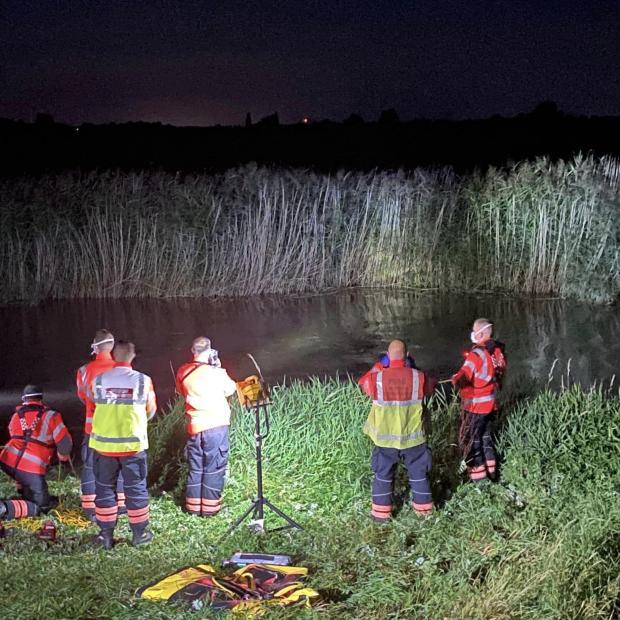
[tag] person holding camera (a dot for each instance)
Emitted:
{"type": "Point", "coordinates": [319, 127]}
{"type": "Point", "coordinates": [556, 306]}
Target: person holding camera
{"type": "Point", "coordinates": [205, 386]}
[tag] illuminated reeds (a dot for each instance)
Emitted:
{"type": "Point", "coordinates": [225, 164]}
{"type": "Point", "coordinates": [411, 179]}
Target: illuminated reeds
{"type": "Point", "coordinates": [540, 228]}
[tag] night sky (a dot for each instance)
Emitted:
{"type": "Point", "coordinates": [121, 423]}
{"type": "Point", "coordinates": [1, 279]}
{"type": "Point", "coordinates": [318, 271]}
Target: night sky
{"type": "Point", "coordinates": [202, 63]}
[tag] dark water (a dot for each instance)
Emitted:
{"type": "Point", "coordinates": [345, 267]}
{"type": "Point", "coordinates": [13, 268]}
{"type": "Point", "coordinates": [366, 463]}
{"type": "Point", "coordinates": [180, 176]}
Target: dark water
{"type": "Point", "coordinates": [297, 337]}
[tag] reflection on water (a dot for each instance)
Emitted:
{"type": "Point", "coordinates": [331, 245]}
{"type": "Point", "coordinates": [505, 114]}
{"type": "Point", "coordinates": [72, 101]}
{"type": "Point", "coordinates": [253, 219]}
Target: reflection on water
{"type": "Point", "coordinates": [296, 337]}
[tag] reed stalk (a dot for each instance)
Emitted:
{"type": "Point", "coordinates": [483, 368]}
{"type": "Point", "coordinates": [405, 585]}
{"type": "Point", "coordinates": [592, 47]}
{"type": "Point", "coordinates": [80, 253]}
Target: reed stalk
{"type": "Point", "coordinates": [540, 228]}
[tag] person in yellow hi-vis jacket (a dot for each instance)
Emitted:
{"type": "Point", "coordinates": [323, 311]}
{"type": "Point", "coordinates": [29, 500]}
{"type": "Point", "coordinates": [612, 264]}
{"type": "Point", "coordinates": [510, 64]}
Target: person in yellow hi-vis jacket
{"type": "Point", "coordinates": [396, 428]}
{"type": "Point", "coordinates": [124, 402]}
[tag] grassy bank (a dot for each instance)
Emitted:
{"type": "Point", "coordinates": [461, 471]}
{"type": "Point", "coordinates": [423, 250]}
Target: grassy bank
{"type": "Point", "coordinates": [539, 228]}
{"type": "Point", "coordinates": [542, 543]}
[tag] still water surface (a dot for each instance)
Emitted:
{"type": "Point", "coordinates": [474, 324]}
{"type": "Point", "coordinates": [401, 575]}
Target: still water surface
{"type": "Point", "coordinates": [324, 335]}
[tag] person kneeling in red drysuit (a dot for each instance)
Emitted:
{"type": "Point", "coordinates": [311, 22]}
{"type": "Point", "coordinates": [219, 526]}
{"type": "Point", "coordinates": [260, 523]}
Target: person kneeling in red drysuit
{"type": "Point", "coordinates": [37, 433]}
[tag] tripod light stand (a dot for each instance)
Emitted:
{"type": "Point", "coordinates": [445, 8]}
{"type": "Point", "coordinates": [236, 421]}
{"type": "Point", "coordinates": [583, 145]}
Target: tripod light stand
{"type": "Point", "coordinates": [259, 403]}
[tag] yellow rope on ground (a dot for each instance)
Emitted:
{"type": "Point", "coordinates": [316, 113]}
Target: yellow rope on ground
{"type": "Point", "coordinates": [71, 517]}
{"type": "Point", "coordinates": [31, 524]}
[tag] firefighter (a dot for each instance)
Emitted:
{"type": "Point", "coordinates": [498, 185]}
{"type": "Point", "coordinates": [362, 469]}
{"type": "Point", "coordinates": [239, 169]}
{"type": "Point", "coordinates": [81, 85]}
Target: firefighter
{"type": "Point", "coordinates": [36, 434]}
{"type": "Point", "coordinates": [478, 381]}
{"type": "Point", "coordinates": [124, 402]}
{"type": "Point", "coordinates": [102, 346]}
{"type": "Point", "coordinates": [395, 426]}
{"type": "Point", "coordinates": [205, 387]}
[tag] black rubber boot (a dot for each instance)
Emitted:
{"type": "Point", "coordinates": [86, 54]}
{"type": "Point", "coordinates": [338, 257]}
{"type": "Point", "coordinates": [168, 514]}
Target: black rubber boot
{"type": "Point", "coordinates": [141, 538]}
{"type": "Point", "coordinates": [3, 510]}
{"type": "Point", "coordinates": [105, 539]}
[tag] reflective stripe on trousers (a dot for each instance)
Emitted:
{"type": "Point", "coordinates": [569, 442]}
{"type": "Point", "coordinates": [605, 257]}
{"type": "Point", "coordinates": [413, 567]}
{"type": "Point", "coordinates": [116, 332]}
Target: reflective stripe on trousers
{"type": "Point", "coordinates": [207, 459]}
{"type": "Point", "coordinates": [481, 457]}
{"type": "Point", "coordinates": [33, 492]}
{"type": "Point", "coordinates": [418, 462]}
{"type": "Point", "coordinates": [87, 482]}
{"type": "Point", "coordinates": [134, 470]}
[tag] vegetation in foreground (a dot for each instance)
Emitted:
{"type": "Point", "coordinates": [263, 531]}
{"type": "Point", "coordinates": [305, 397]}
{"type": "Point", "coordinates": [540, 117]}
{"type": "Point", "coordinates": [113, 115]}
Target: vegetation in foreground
{"type": "Point", "coordinates": [544, 542]}
{"type": "Point", "coordinates": [538, 228]}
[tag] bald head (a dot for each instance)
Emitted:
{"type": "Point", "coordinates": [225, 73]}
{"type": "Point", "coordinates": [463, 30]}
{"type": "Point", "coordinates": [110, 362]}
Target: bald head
{"type": "Point", "coordinates": [481, 330]}
{"type": "Point", "coordinates": [200, 345]}
{"type": "Point", "coordinates": [103, 342]}
{"type": "Point", "coordinates": [397, 350]}
{"type": "Point", "coordinates": [124, 351]}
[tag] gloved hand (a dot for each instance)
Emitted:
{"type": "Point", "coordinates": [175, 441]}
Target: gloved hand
{"type": "Point", "coordinates": [460, 381]}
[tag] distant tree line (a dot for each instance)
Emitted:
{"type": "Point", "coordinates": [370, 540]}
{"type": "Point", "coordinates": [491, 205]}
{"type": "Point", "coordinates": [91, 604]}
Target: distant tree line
{"type": "Point", "coordinates": [387, 143]}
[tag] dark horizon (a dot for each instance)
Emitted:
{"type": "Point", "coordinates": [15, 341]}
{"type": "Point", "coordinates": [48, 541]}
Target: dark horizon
{"type": "Point", "coordinates": [543, 108]}
{"type": "Point", "coordinates": [205, 64]}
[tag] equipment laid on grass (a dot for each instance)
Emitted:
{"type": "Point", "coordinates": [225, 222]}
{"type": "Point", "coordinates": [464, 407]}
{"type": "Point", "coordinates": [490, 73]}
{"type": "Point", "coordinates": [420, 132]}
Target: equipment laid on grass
{"type": "Point", "coordinates": [242, 559]}
{"type": "Point", "coordinates": [250, 589]}
{"type": "Point", "coordinates": [254, 395]}
{"type": "Point", "coordinates": [64, 516]}
{"type": "Point", "coordinates": [47, 531]}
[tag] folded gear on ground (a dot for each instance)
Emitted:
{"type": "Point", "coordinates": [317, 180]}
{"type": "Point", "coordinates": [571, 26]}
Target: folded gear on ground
{"type": "Point", "coordinates": [249, 589]}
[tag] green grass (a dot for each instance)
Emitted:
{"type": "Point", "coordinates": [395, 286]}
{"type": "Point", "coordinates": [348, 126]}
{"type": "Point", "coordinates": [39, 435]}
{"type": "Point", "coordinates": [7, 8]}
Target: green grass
{"type": "Point", "coordinates": [544, 542]}
{"type": "Point", "coordinates": [538, 228]}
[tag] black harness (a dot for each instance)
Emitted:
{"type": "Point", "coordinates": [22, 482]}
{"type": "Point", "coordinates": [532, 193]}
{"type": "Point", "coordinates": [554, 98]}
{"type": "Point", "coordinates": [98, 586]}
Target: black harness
{"type": "Point", "coordinates": [27, 430]}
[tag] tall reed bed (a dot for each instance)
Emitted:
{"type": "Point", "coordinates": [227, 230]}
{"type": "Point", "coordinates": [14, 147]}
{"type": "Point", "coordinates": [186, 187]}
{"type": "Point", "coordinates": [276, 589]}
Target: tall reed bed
{"type": "Point", "coordinates": [539, 228]}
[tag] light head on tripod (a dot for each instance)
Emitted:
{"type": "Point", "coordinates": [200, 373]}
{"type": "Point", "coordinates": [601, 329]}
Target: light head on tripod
{"type": "Point", "coordinates": [252, 392]}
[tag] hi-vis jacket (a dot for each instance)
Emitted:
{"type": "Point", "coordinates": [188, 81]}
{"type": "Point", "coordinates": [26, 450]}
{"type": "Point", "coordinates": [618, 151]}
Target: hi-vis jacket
{"type": "Point", "coordinates": [395, 418]}
{"type": "Point", "coordinates": [36, 433]}
{"type": "Point", "coordinates": [478, 378]}
{"type": "Point", "coordinates": [205, 389]}
{"type": "Point", "coordinates": [124, 401]}
{"type": "Point", "coordinates": [84, 379]}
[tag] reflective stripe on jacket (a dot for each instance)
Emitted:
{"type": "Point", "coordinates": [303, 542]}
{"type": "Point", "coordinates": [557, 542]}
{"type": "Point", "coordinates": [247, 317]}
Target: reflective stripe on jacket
{"type": "Point", "coordinates": [84, 380]}
{"type": "Point", "coordinates": [480, 396]}
{"type": "Point", "coordinates": [395, 418]}
{"type": "Point", "coordinates": [205, 389]}
{"type": "Point", "coordinates": [48, 435]}
{"type": "Point", "coordinates": [124, 402]}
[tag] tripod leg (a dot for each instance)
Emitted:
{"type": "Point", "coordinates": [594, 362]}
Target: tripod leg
{"type": "Point", "coordinates": [240, 520]}
{"type": "Point", "coordinates": [281, 514]}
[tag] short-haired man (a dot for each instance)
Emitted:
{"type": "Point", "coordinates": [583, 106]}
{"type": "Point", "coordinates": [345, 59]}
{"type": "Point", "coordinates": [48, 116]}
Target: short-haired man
{"type": "Point", "coordinates": [395, 426]}
{"type": "Point", "coordinates": [124, 403]}
{"type": "Point", "coordinates": [36, 434]}
{"type": "Point", "coordinates": [478, 381]}
{"type": "Point", "coordinates": [101, 348]}
{"type": "Point", "coordinates": [205, 387]}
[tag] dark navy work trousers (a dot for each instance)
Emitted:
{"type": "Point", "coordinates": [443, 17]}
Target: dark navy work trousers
{"type": "Point", "coordinates": [478, 445]}
{"type": "Point", "coordinates": [207, 459]}
{"type": "Point", "coordinates": [418, 461]}
{"type": "Point", "coordinates": [87, 482]}
{"type": "Point", "coordinates": [107, 470]}
{"type": "Point", "coordinates": [34, 495]}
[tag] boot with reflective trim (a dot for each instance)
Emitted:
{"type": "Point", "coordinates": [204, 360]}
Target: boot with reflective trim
{"type": "Point", "coordinates": [380, 513]}
{"type": "Point", "coordinates": [142, 538]}
{"type": "Point", "coordinates": [105, 539]}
